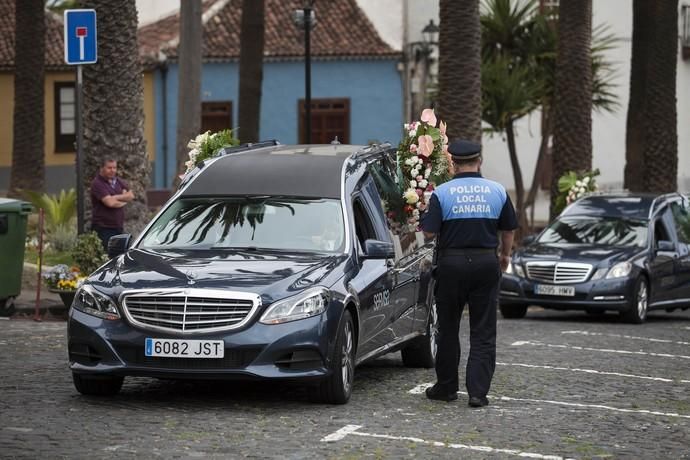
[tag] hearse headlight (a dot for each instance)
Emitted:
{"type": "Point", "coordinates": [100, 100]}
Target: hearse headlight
{"type": "Point", "coordinates": [309, 303]}
{"type": "Point", "coordinates": [92, 302]}
{"type": "Point", "coordinates": [619, 270]}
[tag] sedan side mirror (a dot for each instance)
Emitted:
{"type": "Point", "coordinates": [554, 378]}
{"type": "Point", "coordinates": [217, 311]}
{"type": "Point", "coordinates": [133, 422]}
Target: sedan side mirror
{"type": "Point", "coordinates": [377, 249]}
{"type": "Point", "coordinates": [118, 244]}
{"type": "Point", "coordinates": [665, 246]}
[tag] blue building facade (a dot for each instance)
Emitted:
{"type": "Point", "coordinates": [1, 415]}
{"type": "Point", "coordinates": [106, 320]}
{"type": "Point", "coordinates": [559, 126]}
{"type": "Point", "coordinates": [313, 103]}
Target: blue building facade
{"type": "Point", "coordinates": [373, 87]}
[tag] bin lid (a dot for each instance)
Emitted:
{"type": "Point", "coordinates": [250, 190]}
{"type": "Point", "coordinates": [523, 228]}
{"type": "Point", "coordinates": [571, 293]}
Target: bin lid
{"type": "Point", "coordinates": [8, 205]}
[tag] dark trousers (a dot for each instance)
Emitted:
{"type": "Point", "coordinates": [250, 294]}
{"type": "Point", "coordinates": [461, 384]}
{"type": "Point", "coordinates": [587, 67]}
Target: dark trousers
{"type": "Point", "coordinates": [104, 233]}
{"type": "Point", "coordinates": [471, 279]}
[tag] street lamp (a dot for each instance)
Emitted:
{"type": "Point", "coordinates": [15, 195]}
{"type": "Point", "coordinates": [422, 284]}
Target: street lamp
{"type": "Point", "coordinates": [305, 19]}
{"type": "Point", "coordinates": [420, 57]}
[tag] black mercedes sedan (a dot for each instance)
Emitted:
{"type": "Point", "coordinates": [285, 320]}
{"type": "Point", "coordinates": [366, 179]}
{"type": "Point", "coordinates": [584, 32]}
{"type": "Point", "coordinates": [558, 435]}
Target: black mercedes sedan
{"type": "Point", "coordinates": [269, 262]}
{"type": "Point", "coordinates": [620, 252]}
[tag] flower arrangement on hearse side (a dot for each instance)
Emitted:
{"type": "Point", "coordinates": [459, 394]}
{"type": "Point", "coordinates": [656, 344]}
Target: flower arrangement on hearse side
{"type": "Point", "coordinates": [423, 163]}
{"type": "Point", "coordinates": [207, 145]}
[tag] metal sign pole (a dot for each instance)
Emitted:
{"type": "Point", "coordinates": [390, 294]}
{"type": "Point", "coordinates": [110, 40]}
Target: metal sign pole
{"type": "Point", "coordinates": [307, 72]}
{"type": "Point", "coordinates": [80, 156]}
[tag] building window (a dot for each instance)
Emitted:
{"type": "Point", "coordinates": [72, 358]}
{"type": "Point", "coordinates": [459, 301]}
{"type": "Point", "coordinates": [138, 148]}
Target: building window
{"type": "Point", "coordinates": [329, 118]}
{"type": "Point", "coordinates": [685, 33]}
{"type": "Point", "coordinates": [65, 117]}
{"type": "Point", "coordinates": [216, 116]}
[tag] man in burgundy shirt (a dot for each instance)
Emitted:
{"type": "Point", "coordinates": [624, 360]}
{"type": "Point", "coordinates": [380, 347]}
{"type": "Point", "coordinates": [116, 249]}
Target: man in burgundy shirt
{"type": "Point", "coordinates": [109, 195]}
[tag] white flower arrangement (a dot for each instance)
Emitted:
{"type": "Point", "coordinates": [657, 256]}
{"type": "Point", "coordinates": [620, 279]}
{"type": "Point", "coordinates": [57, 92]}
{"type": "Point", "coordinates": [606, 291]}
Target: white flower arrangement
{"type": "Point", "coordinates": [207, 145]}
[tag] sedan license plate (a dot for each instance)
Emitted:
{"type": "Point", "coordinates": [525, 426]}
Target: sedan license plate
{"type": "Point", "coordinates": [548, 289]}
{"type": "Point", "coordinates": [178, 348]}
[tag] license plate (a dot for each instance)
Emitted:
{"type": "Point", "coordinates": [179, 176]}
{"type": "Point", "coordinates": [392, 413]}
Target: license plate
{"type": "Point", "coordinates": [549, 289]}
{"type": "Point", "coordinates": [178, 348]}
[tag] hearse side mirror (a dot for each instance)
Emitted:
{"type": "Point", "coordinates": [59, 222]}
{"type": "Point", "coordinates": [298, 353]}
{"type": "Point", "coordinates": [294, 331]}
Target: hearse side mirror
{"type": "Point", "coordinates": [118, 244]}
{"type": "Point", "coordinates": [376, 249]}
{"type": "Point", "coordinates": [529, 240]}
{"type": "Point", "coordinates": [665, 246]}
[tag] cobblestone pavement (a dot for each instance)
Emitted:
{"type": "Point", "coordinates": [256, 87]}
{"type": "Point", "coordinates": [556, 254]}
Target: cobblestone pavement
{"type": "Point", "coordinates": [566, 385]}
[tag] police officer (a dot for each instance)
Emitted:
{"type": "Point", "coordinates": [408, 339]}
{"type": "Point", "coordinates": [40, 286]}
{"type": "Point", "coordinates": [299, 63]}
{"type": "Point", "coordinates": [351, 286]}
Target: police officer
{"type": "Point", "coordinates": [467, 213]}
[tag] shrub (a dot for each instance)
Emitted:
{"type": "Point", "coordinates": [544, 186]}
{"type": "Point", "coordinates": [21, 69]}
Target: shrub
{"type": "Point", "coordinates": [60, 216]}
{"type": "Point", "coordinates": [88, 253]}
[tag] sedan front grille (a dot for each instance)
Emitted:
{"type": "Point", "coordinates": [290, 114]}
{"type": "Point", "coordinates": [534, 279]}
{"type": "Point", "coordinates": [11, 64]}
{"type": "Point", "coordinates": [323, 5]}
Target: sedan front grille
{"type": "Point", "coordinates": [558, 272]}
{"type": "Point", "coordinates": [189, 310]}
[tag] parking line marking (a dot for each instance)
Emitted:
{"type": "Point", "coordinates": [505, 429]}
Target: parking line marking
{"type": "Point", "coordinates": [420, 389]}
{"type": "Point", "coordinates": [603, 350]}
{"type": "Point", "coordinates": [593, 371]}
{"type": "Point", "coordinates": [631, 337]}
{"type": "Point", "coordinates": [353, 430]}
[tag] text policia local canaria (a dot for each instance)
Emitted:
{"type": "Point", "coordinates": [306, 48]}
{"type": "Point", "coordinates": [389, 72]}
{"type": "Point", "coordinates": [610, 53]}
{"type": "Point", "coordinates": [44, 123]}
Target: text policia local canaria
{"type": "Point", "coordinates": [471, 198]}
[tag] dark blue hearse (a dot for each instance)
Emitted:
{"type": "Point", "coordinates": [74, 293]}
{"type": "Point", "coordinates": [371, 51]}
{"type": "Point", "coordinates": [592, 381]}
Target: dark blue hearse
{"type": "Point", "coordinates": [270, 261]}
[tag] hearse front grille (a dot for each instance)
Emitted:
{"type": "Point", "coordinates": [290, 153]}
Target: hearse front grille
{"type": "Point", "coordinates": [558, 272]}
{"type": "Point", "coordinates": [189, 310]}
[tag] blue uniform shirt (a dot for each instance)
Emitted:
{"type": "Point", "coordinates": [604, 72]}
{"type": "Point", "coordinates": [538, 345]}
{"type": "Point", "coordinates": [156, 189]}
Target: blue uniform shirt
{"type": "Point", "coordinates": [468, 212]}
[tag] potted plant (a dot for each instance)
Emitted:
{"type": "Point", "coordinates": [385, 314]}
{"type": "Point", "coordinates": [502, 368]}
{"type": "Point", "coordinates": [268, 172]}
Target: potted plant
{"type": "Point", "coordinates": [88, 255]}
{"type": "Point", "coordinates": [64, 281]}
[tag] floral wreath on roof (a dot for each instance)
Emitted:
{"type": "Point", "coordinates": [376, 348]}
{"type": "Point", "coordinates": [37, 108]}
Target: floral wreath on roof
{"type": "Point", "coordinates": [207, 145]}
{"type": "Point", "coordinates": [423, 164]}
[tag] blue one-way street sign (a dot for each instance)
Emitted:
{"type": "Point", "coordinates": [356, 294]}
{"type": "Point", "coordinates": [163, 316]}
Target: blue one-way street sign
{"type": "Point", "coordinates": [80, 37]}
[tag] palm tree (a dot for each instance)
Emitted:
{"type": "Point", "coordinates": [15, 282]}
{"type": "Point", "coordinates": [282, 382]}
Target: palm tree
{"type": "Point", "coordinates": [572, 129]}
{"type": "Point", "coordinates": [251, 69]}
{"type": "Point", "coordinates": [189, 89]}
{"type": "Point", "coordinates": [28, 149]}
{"type": "Point", "coordinates": [113, 105]}
{"type": "Point", "coordinates": [509, 92]}
{"type": "Point", "coordinates": [459, 68]}
{"type": "Point", "coordinates": [651, 134]}
{"type": "Point", "coordinates": [526, 40]}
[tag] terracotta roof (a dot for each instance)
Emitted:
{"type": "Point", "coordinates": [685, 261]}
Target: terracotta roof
{"type": "Point", "coordinates": [342, 30]}
{"type": "Point", "coordinates": [54, 39]}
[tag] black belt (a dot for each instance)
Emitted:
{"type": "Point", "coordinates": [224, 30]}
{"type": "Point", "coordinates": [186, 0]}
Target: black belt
{"type": "Point", "coordinates": [466, 251]}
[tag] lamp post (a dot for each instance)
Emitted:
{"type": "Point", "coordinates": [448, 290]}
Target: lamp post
{"type": "Point", "coordinates": [420, 53]}
{"type": "Point", "coordinates": [306, 20]}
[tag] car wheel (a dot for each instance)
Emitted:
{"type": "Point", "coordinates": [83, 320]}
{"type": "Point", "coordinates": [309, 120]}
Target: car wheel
{"type": "Point", "coordinates": [337, 387]}
{"type": "Point", "coordinates": [513, 311]}
{"type": "Point", "coordinates": [637, 312]}
{"type": "Point", "coordinates": [7, 307]}
{"type": "Point", "coordinates": [421, 352]}
{"type": "Point", "coordinates": [97, 385]}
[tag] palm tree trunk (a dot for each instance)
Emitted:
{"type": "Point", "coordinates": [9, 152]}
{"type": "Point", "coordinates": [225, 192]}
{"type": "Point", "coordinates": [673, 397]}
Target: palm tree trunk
{"type": "Point", "coordinates": [251, 69]}
{"type": "Point", "coordinates": [572, 135]}
{"type": "Point", "coordinates": [28, 131]}
{"type": "Point", "coordinates": [660, 151]}
{"type": "Point", "coordinates": [517, 177]}
{"type": "Point", "coordinates": [113, 106]}
{"type": "Point", "coordinates": [634, 135]}
{"type": "Point", "coordinates": [540, 167]}
{"type": "Point", "coordinates": [189, 92]}
{"type": "Point", "coordinates": [459, 79]}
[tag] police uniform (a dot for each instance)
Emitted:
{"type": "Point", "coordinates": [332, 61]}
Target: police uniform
{"type": "Point", "coordinates": [466, 213]}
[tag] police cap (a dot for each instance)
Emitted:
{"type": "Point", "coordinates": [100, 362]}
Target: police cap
{"type": "Point", "coordinates": [464, 150]}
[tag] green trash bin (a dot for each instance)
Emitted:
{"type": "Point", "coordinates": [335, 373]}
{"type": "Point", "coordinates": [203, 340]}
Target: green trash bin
{"type": "Point", "coordinates": [13, 217]}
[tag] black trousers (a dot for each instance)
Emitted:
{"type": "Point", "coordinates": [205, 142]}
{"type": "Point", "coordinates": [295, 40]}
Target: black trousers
{"type": "Point", "coordinates": [472, 279]}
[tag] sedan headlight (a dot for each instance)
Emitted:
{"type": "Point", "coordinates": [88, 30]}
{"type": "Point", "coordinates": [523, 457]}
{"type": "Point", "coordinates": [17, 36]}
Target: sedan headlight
{"type": "Point", "coordinates": [619, 270]}
{"type": "Point", "coordinates": [515, 269]}
{"type": "Point", "coordinates": [310, 303]}
{"type": "Point", "coordinates": [92, 302]}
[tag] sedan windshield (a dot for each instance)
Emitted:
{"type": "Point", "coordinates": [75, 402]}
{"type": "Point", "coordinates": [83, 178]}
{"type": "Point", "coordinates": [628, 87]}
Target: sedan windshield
{"type": "Point", "coordinates": [596, 230]}
{"type": "Point", "coordinates": [276, 223]}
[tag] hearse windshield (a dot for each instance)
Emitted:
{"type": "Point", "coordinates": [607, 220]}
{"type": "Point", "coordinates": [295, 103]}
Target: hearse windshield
{"type": "Point", "coordinates": [274, 223]}
{"type": "Point", "coordinates": [596, 230]}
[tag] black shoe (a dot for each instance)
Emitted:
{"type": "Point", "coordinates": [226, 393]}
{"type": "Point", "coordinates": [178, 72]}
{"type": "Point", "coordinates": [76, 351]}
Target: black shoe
{"type": "Point", "coordinates": [438, 394]}
{"type": "Point", "coordinates": [476, 401]}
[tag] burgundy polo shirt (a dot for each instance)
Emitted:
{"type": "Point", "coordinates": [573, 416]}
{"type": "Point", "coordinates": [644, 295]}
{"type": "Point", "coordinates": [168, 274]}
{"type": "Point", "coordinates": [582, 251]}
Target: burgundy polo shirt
{"type": "Point", "coordinates": [102, 215]}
